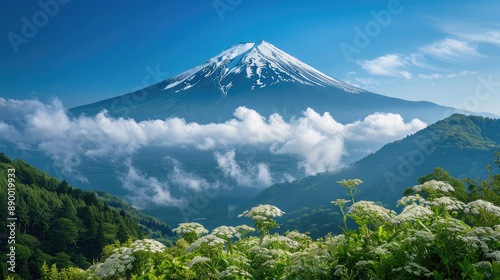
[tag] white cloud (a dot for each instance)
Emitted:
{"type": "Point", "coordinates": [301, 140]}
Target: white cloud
{"type": "Point", "coordinates": [186, 180]}
{"type": "Point", "coordinates": [461, 73]}
{"type": "Point", "coordinates": [249, 175]}
{"type": "Point", "coordinates": [446, 50]}
{"type": "Point", "coordinates": [145, 189]}
{"type": "Point", "coordinates": [388, 65]}
{"type": "Point", "coordinates": [450, 49]}
{"type": "Point", "coordinates": [318, 141]}
{"type": "Point", "coordinates": [431, 76]}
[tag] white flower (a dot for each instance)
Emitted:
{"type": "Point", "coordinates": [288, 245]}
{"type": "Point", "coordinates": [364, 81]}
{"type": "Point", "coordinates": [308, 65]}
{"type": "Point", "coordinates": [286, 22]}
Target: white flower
{"type": "Point", "coordinates": [477, 205]}
{"type": "Point", "coordinates": [116, 263]}
{"type": "Point", "coordinates": [495, 255]}
{"type": "Point", "coordinates": [413, 212]}
{"type": "Point", "coordinates": [185, 228]}
{"type": "Point", "coordinates": [433, 186]}
{"type": "Point", "coordinates": [417, 270]}
{"type": "Point", "coordinates": [297, 236]}
{"type": "Point", "coordinates": [412, 199]}
{"type": "Point", "coordinates": [263, 212]}
{"type": "Point", "coordinates": [340, 202]}
{"type": "Point", "coordinates": [448, 203]}
{"type": "Point", "coordinates": [226, 232]}
{"type": "Point", "coordinates": [245, 228]}
{"type": "Point", "coordinates": [235, 272]}
{"type": "Point", "coordinates": [210, 240]}
{"type": "Point", "coordinates": [148, 245]}
{"type": "Point", "coordinates": [482, 265]}
{"type": "Point", "coordinates": [198, 259]}
{"type": "Point", "coordinates": [449, 224]}
{"type": "Point", "coordinates": [362, 264]}
{"type": "Point", "coordinates": [280, 241]}
{"type": "Point", "coordinates": [373, 211]}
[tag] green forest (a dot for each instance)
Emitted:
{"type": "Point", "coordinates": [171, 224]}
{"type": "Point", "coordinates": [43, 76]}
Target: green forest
{"type": "Point", "coordinates": [64, 226]}
{"type": "Point", "coordinates": [447, 229]}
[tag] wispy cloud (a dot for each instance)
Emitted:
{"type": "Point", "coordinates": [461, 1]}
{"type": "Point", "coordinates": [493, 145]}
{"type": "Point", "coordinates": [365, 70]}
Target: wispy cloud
{"type": "Point", "coordinates": [449, 49]}
{"type": "Point", "coordinates": [446, 50]}
{"type": "Point", "coordinates": [391, 65]}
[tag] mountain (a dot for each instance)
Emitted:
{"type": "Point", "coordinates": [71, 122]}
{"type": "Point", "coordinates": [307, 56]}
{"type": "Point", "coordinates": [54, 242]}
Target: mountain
{"type": "Point", "coordinates": [59, 224]}
{"type": "Point", "coordinates": [260, 77]}
{"type": "Point", "coordinates": [461, 145]}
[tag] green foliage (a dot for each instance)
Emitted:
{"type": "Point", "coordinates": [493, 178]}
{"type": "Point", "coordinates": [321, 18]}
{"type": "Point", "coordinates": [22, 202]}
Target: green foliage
{"type": "Point", "coordinates": [57, 223]}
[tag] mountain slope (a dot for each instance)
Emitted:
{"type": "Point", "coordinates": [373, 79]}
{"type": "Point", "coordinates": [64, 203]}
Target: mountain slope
{"type": "Point", "coordinates": [156, 229]}
{"type": "Point", "coordinates": [462, 145]}
{"type": "Point", "coordinates": [261, 77]}
{"type": "Point", "coordinates": [57, 223]}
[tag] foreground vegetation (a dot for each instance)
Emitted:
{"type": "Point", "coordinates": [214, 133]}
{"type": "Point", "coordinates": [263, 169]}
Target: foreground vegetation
{"type": "Point", "coordinates": [443, 232]}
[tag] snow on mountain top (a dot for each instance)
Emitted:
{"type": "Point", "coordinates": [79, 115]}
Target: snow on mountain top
{"type": "Point", "coordinates": [261, 62]}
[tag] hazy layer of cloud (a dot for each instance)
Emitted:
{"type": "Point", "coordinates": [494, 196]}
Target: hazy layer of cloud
{"type": "Point", "coordinates": [249, 175]}
{"type": "Point", "coordinates": [318, 142]}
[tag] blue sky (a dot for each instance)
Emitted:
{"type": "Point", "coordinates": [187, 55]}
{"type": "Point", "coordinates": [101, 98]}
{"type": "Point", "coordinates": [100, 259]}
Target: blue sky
{"type": "Point", "coordinates": [85, 51]}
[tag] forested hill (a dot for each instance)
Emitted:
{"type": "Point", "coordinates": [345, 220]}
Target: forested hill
{"type": "Point", "coordinates": [57, 223]}
{"type": "Point", "coordinates": [155, 228]}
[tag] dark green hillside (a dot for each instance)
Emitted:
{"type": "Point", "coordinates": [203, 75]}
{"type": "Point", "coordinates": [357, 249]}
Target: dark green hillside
{"type": "Point", "coordinates": [57, 223]}
{"type": "Point", "coordinates": [462, 145]}
{"type": "Point", "coordinates": [155, 228]}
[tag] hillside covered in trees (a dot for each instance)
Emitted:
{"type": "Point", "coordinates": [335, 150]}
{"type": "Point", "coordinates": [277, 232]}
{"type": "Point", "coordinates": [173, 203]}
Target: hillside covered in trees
{"type": "Point", "coordinates": [62, 225]}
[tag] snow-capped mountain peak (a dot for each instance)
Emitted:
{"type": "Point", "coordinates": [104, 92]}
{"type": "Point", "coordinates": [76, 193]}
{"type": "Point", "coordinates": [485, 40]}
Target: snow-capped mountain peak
{"type": "Point", "coordinates": [260, 63]}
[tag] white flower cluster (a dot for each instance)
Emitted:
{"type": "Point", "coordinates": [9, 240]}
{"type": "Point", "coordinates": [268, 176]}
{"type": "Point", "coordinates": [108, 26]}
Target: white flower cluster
{"type": "Point", "coordinates": [450, 224]}
{"type": "Point", "coordinates": [210, 240]}
{"type": "Point", "coordinates": [336, 240]}
{"type": "Point", "coordinates": [495, 255]}
{"type": "Point", "coordinates": [313, 259]}
{"type": "Point", "coordinates": [297, 236]}
{"type": "Point", "coordinates": [281, 241]}
{"type": "Point", "coordinates": [185, 228]}
{"type": "Point", "coordinates": [339, 270]}
{"type": "Point", "coordinates": [198, 259]}
{"type": "Point", "coordinates": [148, 245]}
{"type": "Point", "coordinates": [417, 270]}
{"type": "Point", "coordinates": [115, 264]}
{"type": "Point", "coordinates": [263, 212]}
{"type": "Point", "coordinates": [480, 238]}
{"type": "Point", "coordinates": [482, 265]}
{"type": "Point", "coordinates": [371, 210]}
{"type": "Point", "coordinates": [226, 232]}
{"type": "Point", "coordinates": [433, 186]}
{"type": "Point", "coordinates": [421, 237]}
{"type": "Point", "coordinates": [350, 184]}
{"type": "Point", "coordinates": [273, 254]}
{"type": "Point", "coordinates": [340, 202]}
{"type": "Point", "coordinates": [474, 207]}
{"type": "Point", "coordinates": [234, 272]}
{"type": "Point", "coordinates": [448, 203]}
{"type": "Point", "coordinates": [413, 212]}
{"type": "Point", "coordinates": [412, 199]}
{"type": "Point", "coordinates": [245, 228]}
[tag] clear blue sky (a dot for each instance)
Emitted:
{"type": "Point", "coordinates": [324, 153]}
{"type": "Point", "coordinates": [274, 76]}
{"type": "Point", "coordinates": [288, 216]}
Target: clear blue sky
{"type": "Point", "coordinates": [91, 50]}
